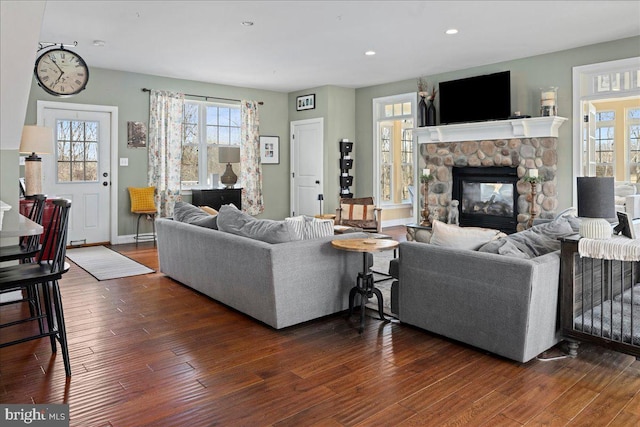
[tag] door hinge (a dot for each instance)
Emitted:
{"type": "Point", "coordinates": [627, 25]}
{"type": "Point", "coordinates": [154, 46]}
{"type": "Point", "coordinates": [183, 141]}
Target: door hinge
{"type": "Point", "coordinates": [586, 118]}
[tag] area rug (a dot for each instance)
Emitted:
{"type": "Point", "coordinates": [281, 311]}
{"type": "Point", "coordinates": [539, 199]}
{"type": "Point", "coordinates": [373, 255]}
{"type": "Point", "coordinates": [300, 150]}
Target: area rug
{"type": "Point", "coordinates": [104, 264]}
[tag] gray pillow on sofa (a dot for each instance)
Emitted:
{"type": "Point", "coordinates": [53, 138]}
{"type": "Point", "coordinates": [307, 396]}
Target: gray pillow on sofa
{"type": "Point", "coordinates": [234, 221]}
{"type": "Point", "coordinates": [186, 212]}
{"type": "Point", "coordinates": [534, 242]}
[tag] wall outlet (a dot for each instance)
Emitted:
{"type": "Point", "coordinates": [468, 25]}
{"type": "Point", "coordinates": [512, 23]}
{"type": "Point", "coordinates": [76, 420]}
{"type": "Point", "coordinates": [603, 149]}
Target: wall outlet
{"type": "Point", "coordinates": [124, 161]}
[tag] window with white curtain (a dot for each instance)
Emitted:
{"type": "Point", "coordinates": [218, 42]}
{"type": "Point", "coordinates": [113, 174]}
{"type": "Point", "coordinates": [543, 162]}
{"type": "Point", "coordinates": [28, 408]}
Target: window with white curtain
{"type": "Point", "coordinates": [207, 126]}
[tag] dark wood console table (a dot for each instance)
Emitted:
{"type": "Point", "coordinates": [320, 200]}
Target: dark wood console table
{"type": "Point", "coordinates": [217, 197]}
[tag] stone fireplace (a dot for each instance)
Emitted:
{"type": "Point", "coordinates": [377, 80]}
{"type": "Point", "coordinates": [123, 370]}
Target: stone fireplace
{"type": "Point", "coordinates": [519, 154]}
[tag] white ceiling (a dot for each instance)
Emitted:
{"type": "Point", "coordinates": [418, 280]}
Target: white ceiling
{"type": "Point", "coordinates": [295, 45]}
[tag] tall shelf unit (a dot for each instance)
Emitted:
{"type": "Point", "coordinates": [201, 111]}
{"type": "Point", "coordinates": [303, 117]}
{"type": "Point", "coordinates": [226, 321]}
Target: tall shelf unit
{"type": "Point", "coordinates": [346, 164]}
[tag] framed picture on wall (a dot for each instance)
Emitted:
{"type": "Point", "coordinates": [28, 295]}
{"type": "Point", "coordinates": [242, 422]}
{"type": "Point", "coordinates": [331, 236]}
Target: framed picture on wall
{"type": "Point", "coordinates": [306, 102]}
{"type": "Point", "coordinates": [136, 135]}
{"type": "Point", "coordinates": [269, 150]}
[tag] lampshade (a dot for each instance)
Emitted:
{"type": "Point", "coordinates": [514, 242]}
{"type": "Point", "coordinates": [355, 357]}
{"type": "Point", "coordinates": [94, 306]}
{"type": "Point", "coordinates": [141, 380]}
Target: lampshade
{"type": "Point", "coordinates": [36, 139]}
{"type": "Point", "coordinates": [229, 154]}
{"type": "Point", "coordinates": [596, 197]}
{"type": "Point", "coordinates": [595, 203]}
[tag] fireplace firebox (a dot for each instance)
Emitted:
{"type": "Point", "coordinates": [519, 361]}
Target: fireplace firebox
{"type": "Point", "coordinates": [488, 197]}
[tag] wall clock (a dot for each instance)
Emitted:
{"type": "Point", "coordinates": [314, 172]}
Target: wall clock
{"type": "Point", "coordinates": [61, 72]}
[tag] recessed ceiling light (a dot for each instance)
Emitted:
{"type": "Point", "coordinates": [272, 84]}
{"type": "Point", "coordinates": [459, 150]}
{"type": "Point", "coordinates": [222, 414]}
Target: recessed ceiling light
{"type": "Point", "coordinates": [370, 53]}
{"type": "Point", "coordinates": [99, 43]}
{"type": "Point", "coordinates": [247, 23]}
{"type": "Point", "coordinates": [451, 31]}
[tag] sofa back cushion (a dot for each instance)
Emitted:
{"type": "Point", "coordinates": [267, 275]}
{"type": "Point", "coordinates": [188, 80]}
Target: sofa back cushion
{"type": "Point", "coordinates": [234, 221]}
{"type": "Point", "coordinates": [186, 212]}
{"type": "Point", "coordinates": [453, 236]}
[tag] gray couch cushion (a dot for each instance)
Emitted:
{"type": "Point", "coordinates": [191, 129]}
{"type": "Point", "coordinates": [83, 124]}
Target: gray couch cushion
{"type": "Point", "coordinates": [534, 242]}
{"type": "Point", "coordinates": [186, 212]}
{"type": "Point", "coordinates": [234, 221]}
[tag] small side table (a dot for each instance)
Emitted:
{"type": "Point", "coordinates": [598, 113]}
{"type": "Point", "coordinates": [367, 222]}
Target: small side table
{"type": "Point", "coordinates": [365, 285]}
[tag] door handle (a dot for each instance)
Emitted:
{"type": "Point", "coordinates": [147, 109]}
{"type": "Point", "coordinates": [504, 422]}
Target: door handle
{"type": "Point", "coordinates": [105, 183]}
{"type": "Point", "coordinates": [317, 182]}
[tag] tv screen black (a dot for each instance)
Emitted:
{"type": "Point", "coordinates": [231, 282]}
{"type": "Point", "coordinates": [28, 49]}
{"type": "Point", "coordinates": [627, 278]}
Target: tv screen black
{"type": "Point", "coordinates": [475, 99]}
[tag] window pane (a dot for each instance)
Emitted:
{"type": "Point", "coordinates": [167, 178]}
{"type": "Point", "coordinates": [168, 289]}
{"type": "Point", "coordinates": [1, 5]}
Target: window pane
{"type": "Point", "coordinates": [92, 151]}
{"type": "Point", "coordinates": [64, 130]}
{"type": "Point", "coordinates": [77, 131]}
{"type": "Point", "coordinates": [634, 113]}
{"type": "Point", "coordinates": [91, 171]}
{"type": "Point", "coordinates": [190, 113]}
{"type": "Point", "coordinates": [223, 136]}
{"type": "Point", "coordinates": [64, 171]}
{"type": "Point", "coordinates": [189, 164]}
{"type": "Point", "coordinates": [212, 135]}
{"type": "Point", "coordinates": [605, 116]}
{"type": "Point", "coordinates": [236, 120]}
{"type": "Point", "coordinates": [77, 151]}
{"type": "Point", "coordinates": [223, 116]}
{"type": "Point", "coordinates": [235, 136]}
{"type": "Point", "coordinates": [77, 171]}
{"type": "Point", "coordinates": [397, 109]}
{"type": "Point", "coordinates": [212, 115]}
{"type": "Point", "coordinates": [388, 110]}
{"type": "Point", "coordinates": [91, 131]}
{"type": "Point", "coordinates": [385, 178]}
{"type": "Point", "coordinates": [406, 108]}
{"type": "Point", "coordinates": [190, 134]}
{"type": "Point", "coordinates": [64, 150]}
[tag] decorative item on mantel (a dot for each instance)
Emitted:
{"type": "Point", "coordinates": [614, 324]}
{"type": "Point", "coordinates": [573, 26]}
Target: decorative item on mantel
{"type": "Point", "coordinates": [426, 109]}
{"type": "Point", "coordinates": [533, 179]}
{"type": "Point", "coordinates": [424, 179]}
{"type": "Point", "coordinates": [549, 101]}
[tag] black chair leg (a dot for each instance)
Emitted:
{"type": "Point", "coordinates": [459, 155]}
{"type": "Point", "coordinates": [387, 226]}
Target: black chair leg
{"type": "Point", "coordinates": [138, 229]}
{"type": "Point", "coordinates": [61, 327]}
{"type": "Point", "coordinates": [153, 226]}
{"type": "Point", "coordinates": [51, 325]}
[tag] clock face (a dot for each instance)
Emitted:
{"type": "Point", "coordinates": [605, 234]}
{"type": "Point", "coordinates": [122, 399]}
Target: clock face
{"type": "Point", "coordinates": [61, 72]}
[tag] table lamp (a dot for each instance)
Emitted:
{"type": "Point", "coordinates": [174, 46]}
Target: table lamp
{"type": "Point", "coordinates": [229, 155]}
{"type": "Point", "coordinates": [595, 203]}
{"type": "Point", "coordinates": [35, 140]}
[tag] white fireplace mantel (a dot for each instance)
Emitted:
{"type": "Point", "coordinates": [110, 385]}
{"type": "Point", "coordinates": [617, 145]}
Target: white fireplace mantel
{"type": "Point", "coordinates": [535, 127]}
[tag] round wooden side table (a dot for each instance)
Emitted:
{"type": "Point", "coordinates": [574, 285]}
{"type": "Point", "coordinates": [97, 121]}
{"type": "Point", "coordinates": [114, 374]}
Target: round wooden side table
{"type": "Point", "coordinates": [365, 285]}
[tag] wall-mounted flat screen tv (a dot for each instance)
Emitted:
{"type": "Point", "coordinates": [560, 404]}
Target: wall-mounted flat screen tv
{"type": "Point", "coordinates": [476, 98]}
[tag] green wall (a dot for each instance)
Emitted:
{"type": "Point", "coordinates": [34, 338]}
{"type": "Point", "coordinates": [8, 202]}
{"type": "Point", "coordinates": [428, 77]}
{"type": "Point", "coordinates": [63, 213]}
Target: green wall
{"type": "Point", "coordinates": [122, 89]}
{"type": "Point", "coordinates": [528, 75]}
{"type": "Point", "coordinates": [337, 106]}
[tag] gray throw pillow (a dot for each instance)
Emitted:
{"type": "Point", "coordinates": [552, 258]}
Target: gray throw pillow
{"type": "Point", "coordinates": [534, 242]}
{"type": "Point", "coordinates": [234, 221]}
{"type": "Point", "coordinates": [186, 212]}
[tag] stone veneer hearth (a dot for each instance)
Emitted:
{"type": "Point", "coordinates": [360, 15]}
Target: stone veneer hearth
{"type": "Point", "coordinates": [519, 153]}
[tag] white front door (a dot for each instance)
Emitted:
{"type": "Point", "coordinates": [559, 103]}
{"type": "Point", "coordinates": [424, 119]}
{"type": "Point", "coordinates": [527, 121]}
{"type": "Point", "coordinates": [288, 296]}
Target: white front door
{"type": "Point", "coordinates": [79, 169]}
{"type": "Point", "coordinates": [307, 148]}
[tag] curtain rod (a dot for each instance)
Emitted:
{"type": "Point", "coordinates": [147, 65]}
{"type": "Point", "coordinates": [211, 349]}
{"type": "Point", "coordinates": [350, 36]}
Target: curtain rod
{"type": "Point", "coordinates": [144, 89]}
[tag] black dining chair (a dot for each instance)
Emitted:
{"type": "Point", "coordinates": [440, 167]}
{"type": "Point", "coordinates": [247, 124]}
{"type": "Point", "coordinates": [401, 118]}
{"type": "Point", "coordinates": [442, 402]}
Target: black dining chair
{"type": "Point", "coordinates": [29, 246]}
{"type": "Point", "coordinates": [40, 278]}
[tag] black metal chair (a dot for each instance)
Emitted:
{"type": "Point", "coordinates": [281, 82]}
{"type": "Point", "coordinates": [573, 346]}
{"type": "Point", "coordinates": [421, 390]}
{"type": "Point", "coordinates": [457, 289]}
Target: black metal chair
{"type": "Point", "coordinates": [41, 280]}
{"type": "Point", "coordinates": [29, 246]}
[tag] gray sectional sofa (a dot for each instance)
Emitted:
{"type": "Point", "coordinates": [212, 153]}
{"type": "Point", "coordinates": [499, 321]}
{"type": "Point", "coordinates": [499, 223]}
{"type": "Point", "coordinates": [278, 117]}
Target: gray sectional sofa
{"type": "Point", "coordinates": [280, 284]}
{"type": "Point", "coordinates": [506, 304]}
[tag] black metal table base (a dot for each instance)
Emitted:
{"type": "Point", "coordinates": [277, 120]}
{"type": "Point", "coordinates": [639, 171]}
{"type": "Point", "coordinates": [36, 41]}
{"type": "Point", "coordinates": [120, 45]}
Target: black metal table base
{"type": "Point", "coordinates": [366, 289]}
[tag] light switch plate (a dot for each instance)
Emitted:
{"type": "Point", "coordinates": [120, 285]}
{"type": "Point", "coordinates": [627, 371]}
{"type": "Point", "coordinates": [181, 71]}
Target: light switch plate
{"type": "Point", "coordinates": [124, 161]}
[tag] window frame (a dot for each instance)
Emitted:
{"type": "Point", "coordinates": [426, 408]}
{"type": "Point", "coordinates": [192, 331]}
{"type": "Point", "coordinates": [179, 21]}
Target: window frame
{"type": "Point", "coordinates": [203, 144]}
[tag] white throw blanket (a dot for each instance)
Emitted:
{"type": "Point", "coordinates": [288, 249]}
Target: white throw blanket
{"type": "Point", "coordinates": [617, 248]}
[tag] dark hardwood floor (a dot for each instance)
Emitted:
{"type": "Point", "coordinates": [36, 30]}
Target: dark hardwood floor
{"type": "Point", "coordinates": [146, 350]}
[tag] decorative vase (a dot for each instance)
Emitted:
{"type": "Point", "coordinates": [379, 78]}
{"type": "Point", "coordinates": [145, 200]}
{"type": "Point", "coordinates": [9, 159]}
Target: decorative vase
{"type": "Point", "coordinates": [431, 114]}
{"type": "Point", "coordinates": [422, 112]}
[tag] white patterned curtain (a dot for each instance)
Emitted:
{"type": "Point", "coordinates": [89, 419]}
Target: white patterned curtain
{"type": "Point", "coordinates": [165, 147]}
{"type": "Point", "coordinates": [250, 159]}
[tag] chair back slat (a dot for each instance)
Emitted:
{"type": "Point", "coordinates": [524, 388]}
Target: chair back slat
{"type": "Point", "coordinates": [54, 245]}
{"type": "Point", "coordinates": [36, 213]}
